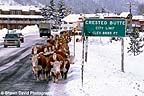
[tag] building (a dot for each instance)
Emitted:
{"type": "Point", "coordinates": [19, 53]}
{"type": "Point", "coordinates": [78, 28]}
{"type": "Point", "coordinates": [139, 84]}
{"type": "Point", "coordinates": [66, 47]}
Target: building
{"type": "Point", "coordinates": [137, 20]}
{"type": "Point", "coordinates": [16, 17]}
{"type": "Point", "coordinates": [75, 20]}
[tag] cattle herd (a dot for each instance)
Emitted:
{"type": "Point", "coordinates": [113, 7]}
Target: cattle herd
{"type": "Point", "coordinates": [52, 61]}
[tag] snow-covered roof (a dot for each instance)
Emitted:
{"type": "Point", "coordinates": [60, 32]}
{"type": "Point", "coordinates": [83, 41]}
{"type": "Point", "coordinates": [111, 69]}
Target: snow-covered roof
{"type": "Point", "coordinates": [21, 16]}
{"type": "Point", "coordinates": [124, 14]}
{"type": "Point", "coordinates": [107, 15]}
{"type": "Point", "coordinates": [76, 17]}
{"type": "Point", "coordinates": [138, 17]}
{"type": "Point", "coordinates": [90, 15]}
{"type": "Point", "coordinates": [71, 18]}
{"type": "Point", "coordinates": [23, 8]}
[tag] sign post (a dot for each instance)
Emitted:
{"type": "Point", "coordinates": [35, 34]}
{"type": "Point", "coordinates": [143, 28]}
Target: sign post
{"type": "Point", "coordinates": [122, 54]}
{"type": "Point", "coordinates": [86, 49]}
{"type": "Point", "coordinates": [74, 31]}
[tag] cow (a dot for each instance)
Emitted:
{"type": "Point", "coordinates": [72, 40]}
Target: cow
{"type": "Point", "coordinates": [36, 67]}
{"type": "Point", "coordinates": [65, 69]}
{"type": "Point", "coordinates": [56, 63]}
{"type": "Point", "coordinates": [64, 66]}
{"type": "Point", "coordinates": [37, 49]}
{"type": "Point", "coordinates": [40, 67]}
{"type": "Point", "coordinates": [49, 49]}
{"type": "Point", "coordinates": [67, 36]}
{"type": "Point", "coordinates": [63, 47]}
{"type": "Point", "coordinates": [51, 40]}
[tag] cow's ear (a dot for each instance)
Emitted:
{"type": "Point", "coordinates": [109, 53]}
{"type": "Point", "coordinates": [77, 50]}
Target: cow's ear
{"type": "Point", "coordinates": [66, 62]}
{"type": "Point", "coordinates": [61, 62]}
{"type": "Point", "coordinates": [52, 63]}
{"type": "Point", "coordinates": [38, 57]}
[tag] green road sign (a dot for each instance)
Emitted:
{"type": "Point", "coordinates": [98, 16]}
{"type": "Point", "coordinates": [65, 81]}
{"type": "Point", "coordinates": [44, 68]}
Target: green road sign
{"type": "Point", "coordinates": [104, 27]}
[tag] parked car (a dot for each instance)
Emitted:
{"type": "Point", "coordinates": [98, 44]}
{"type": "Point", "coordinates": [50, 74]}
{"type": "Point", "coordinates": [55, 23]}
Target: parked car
{"type": "Point", "coordinates": [21, 36]}
{"type": "Point", "coordinates": [12, 40]}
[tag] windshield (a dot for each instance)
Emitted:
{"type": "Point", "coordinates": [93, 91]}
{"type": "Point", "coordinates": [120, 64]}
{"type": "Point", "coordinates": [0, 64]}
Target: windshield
{"type": "Point", "coordinates": [11, 36]}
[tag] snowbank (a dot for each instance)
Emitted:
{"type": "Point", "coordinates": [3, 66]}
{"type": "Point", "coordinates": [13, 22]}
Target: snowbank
{"type": "Point", "coordinates": [28, 30]}
{"type": "Point", "coordinates": [2, 34]}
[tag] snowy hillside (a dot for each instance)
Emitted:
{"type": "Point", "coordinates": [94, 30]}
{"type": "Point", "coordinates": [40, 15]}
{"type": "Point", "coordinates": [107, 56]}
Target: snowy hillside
{"type": "Point", "coordinates": [8, 2]}
{"type": "Point", "coordinates": [79, 6]}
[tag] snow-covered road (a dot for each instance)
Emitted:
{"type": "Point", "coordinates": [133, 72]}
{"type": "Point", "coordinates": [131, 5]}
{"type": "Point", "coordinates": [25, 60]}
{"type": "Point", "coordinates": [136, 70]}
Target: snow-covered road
{"type": "Point", "coordinates": [13, 54]}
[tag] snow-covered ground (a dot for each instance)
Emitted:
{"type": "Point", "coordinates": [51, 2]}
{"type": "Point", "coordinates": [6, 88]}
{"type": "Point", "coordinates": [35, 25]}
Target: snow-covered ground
{"type": "Point", "coordinates": [102, 75]}
{"type": "Point", "coordinates": [102, 72]}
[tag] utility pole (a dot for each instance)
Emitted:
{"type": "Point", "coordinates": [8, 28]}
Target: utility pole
{"type": "Point", "coordinates": [130, 18]}
{"type": "Point", "coordinates": [8, 26]}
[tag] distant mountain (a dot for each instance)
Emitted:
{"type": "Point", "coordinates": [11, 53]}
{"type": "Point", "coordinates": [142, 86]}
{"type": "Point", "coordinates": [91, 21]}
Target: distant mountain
{"type": "Point", "coordinates": [118, 5]}
{"type": "Point", "coordinates": [8, 2]}
{"type": "Point", "coordinates": [83, 6]}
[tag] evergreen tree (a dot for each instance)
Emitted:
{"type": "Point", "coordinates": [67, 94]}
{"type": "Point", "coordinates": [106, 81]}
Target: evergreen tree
{"type": "Point", "coordinates": [141, 9]}
{"type": "Point", "coordinates": [135, 43]}
{"type": "Point", "coordinates": [49, 12]}
{"type": "Point", "coordinates": [103, 10]}
{"type": "Point", "coordinates": [97, 11]}
{"type": "Point", "coordinates": [44, 12]}
{"type": "Point", "coordinates": [54, 13]}
{"type": "Point", "coordinates": [63, 11]}
{"type": "Point", "coordinates": [52, 10]}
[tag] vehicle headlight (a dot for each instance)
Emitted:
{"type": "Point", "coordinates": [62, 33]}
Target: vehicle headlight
{"type": "Point", "coordinates": [5, 40]}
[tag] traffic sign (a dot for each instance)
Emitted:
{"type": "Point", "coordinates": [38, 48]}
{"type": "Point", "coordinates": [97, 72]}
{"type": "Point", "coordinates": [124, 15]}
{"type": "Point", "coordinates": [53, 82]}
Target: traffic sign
{"type": "Point", "coordinates": [104, 27]}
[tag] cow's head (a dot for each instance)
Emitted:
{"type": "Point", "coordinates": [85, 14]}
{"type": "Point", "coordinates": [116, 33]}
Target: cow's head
{"type": "Point", "coordinates": [56, 69]}
{"type": "Point", "coordinates": [54, 56]}
{"type": "Point", "coordinates": [46, 52]}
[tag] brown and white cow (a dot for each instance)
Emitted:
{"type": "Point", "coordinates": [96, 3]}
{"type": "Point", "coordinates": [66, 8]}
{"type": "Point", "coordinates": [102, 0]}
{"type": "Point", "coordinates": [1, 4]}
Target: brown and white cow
{"type": "Point", "coordinates": [40, 67]}
{"type": "Point", "coordinates": [60, 65]}
{"type": "Point", "coordinates": [37, 49]}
